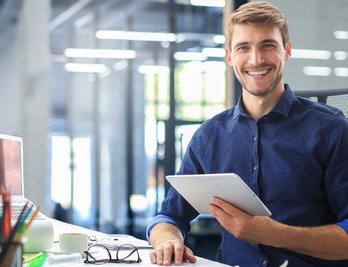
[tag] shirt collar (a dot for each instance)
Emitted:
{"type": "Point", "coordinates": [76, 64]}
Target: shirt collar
{"type": "Point", "coordinates": [239, 109]}
{"type": "Point", "coordinates": [285, 102]}
{"type": "Point", "coordinates": [282, 108]}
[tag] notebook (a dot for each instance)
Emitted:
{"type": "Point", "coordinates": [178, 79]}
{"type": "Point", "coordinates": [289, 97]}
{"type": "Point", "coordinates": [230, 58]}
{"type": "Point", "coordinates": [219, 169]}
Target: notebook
{"type": "Point", "coordinates": [40, 234]}
{"type": "Point", "coordinates": [199, 190]}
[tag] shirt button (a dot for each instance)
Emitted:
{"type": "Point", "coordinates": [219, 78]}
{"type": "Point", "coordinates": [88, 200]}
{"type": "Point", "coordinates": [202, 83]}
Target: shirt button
{"type": "Point", "coordinates": [264, 262]}
{"type": "Point", "coordinates": [254, 139]}
{"type": "Point", "coordinates": [255, 168]}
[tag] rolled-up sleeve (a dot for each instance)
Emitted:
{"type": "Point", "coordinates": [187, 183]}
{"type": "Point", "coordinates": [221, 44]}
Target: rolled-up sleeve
{"type": "Point", "coordinates": [344, 224]}
{"type": "Point", "coordinates": [162, 218]}
{"type": "Point", "coordinates": [337, 172]}
{"type": "Point", "coordinates": [175, 210]}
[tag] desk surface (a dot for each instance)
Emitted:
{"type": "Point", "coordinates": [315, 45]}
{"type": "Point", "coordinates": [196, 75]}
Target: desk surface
{"type": "Point", "coordinates": [61, 227]}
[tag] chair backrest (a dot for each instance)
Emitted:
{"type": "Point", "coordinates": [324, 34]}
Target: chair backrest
{"type": "Point", "coordinates": [333, 97]}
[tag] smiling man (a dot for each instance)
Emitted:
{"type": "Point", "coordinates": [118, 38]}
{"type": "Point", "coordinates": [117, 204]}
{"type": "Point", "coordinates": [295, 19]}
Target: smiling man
{"type": "Point", "coordinates": [292, 153]}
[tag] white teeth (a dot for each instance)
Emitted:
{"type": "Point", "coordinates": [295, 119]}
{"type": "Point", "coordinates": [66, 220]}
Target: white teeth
{"type": "Point", "coordinates": [258, 73]}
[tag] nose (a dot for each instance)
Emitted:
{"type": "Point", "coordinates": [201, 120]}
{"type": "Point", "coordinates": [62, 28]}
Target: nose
{"type": "Point", "coordinates": [256, 57]}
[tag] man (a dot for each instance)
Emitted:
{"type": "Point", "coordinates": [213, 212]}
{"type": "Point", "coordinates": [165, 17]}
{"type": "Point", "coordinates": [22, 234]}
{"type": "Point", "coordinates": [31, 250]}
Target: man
{"type": "Point", "coordinates": [292, 153]}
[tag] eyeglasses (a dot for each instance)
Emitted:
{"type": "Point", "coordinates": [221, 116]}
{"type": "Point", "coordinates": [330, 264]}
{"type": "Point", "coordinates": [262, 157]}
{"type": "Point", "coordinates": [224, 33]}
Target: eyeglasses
{"type": "Point", "coordinates": [100, 254]}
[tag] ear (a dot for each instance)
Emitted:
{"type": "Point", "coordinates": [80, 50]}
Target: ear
{"type": "Point", "coordinates": [287, 51]}
{"type": "Point", "coordinates": [228, 57]}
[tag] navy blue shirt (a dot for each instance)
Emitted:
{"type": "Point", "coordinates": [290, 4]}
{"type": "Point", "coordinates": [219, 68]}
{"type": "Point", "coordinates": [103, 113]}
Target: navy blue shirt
{"type": "Point", "coordinates": [295, 159]}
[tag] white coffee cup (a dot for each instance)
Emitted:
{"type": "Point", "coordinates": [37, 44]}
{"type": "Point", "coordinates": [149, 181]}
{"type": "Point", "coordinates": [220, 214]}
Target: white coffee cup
{"type": "Point", "coordinates": [73, 242]}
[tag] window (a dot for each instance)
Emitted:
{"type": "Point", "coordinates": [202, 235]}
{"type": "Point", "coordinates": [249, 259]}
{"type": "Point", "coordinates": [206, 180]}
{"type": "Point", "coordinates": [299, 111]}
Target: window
{"type": "Point", "coordinates": [200, 94]}
{"type": "Point", "coordinates": [71, 174]}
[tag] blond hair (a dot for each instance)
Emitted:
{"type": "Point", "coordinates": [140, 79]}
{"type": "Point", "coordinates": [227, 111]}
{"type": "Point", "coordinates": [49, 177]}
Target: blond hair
{"type": "Point", "coordinates": [258, 13]}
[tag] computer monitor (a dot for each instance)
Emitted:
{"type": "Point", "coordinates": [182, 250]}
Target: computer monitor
{"type": "Point", "coordinates": [11, 168]}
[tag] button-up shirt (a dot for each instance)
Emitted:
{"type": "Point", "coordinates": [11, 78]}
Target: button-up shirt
{"type": "Point", "coordinates": [295, 158]}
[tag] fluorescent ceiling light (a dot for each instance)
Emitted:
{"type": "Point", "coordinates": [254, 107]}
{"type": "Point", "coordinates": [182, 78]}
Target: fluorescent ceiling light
{"type": "Point", "coordinates": [341, 34]}
{"type": "Point", "coordinates": [212, 3]}
{"type": "Point", "coordinates": [202, 37]}
{"type": "Point", "coordinates": [317, 71]}
{"type": "Point", "coordinates": [136, 36]}
{"type": "Point", "coordinates": [90, 68]}
{"type": "Point", "coordinates": [160, 36]}
{"type": "Point", "coordinates": [340, 55]}
{"type": "Point", "coordinates": [153, 69]}
{"type": "Point", "coordinates": [219, 39]}
{"type": "Point", "coordinates": [310, 54]}
{"type": "Point", "coordinates": [341, 72]}
{"type": "Point", "coordinates": [189, 56]}
{"type": "Point", "coordinates": [214, 52]}
{"type": "Point", "coordinates": [100, 53]}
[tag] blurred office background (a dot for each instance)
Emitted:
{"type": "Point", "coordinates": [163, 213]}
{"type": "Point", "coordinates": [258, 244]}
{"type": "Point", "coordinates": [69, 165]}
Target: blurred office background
{"type": "Point", "coordinates": [102, 126]}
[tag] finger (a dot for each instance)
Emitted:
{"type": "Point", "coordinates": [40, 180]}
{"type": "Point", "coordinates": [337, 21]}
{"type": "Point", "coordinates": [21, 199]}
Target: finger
{"type": "Point", "coordinates": [167, 254]}
{"type": "Point", "coordinates": [159, 256]}
{"type": "Point", "coordinates": [179, 253]}
{"type": "Point", "coordinates": [225, 219]}
{"type": "Point", "coordinates": [189, 256]}
{"type": "Point", "coordinates": [229, 208]}
{"type": "Point", "coordinates": [153, 257]}
{"type": "Point", "coordinates": [218, 212]}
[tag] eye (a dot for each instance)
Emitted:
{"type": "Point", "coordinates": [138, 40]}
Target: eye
{"type": "Point", "coordinates": [242, 48]}
{"type": "Point", "coordinates": [268, 46]}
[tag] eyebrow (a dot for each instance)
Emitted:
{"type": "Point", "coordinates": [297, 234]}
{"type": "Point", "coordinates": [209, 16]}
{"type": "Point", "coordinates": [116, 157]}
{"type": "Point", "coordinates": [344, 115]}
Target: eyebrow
{"type": "Point", "coordinates": [262, 42]}
{"type": "Point", "coordinates": [269, 41]}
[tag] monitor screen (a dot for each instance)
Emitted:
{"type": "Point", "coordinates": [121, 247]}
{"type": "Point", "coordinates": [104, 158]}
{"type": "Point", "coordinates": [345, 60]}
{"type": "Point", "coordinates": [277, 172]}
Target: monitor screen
{"type": "Point", "coordinates": [11, 164]}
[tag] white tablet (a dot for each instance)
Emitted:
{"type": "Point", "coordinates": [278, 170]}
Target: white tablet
{"type": "Point", "coordinates": [199, 190]}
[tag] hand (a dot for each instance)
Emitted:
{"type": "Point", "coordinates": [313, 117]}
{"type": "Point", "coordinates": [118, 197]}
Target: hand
{"type": "Point", "coordinates": [329, 242]}
{"type": "Point", "coordinates": [258, 229]}
{"type": "Point", "coordinates": [170, 250]}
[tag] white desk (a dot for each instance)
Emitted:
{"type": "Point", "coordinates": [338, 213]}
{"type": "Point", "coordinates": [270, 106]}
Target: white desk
{"type": "Point", "coordinates": [61, 227]}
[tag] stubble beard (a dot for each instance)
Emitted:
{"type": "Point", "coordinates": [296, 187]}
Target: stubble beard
{"type": "Point", "coordinates": [265, 91]}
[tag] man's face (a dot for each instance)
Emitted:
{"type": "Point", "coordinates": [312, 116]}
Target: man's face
{"type": "Point", "coordinates": [257, 56]}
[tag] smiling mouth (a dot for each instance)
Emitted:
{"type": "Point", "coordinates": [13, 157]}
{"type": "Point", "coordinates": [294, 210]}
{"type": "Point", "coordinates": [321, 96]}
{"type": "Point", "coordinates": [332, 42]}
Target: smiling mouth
{"type": "Point", "coordinates": [261, 72]}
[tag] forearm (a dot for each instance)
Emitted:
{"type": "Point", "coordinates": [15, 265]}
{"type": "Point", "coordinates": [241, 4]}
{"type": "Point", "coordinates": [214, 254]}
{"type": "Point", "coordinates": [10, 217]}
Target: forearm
{"type": "Point", "coordinates": [326, 242]}
{"type": "Point", "coordinates": [164, 232]}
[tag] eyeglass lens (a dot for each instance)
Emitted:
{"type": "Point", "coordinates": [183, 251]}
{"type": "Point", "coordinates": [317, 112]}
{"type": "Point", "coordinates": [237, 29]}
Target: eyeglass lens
{"type": "Point", "coordinates": [100, 254]}
{"type": "Point", "coordinates": [97, 254]}
{"type": "Point", "coordinates": [128, 253]}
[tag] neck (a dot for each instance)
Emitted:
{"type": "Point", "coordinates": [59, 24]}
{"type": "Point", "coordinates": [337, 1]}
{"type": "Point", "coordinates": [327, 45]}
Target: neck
{"type": "Point", "coordinates": [258, 106]}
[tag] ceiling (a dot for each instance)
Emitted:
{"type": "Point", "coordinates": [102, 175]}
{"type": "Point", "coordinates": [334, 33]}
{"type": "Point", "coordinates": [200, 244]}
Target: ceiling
{"type": "Point", "coordinates": [312, 23]}
{"type": "Point", "coordinates": [73, 24]}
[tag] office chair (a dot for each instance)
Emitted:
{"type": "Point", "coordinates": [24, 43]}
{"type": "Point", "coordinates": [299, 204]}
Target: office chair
{"type": "Point", "coordinates": [333, 97]}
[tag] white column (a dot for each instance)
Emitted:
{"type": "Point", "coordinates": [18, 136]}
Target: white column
{"type": "Point", "coordinates": [35, 102]}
